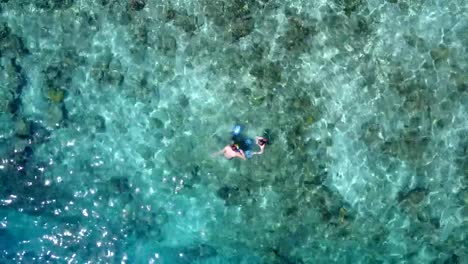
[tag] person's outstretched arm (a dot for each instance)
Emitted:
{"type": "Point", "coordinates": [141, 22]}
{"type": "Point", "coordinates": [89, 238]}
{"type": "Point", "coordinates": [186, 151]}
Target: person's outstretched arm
{"type": "Point", "coordinates": [259, 152]}
{"type": "Point", "coordinates": [241, 155]}
{"type": "Point", "coordinates": [262, 147]}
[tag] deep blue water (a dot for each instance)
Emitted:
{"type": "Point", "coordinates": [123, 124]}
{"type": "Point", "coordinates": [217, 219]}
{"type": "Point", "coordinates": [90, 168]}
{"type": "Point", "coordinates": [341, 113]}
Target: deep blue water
{"type": "Point", "coordinates": [110, 111]}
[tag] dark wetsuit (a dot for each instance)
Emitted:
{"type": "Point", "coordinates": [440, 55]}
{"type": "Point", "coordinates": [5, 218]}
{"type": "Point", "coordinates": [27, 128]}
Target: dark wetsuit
{"type": "Point", "coordinates": [244, 143]}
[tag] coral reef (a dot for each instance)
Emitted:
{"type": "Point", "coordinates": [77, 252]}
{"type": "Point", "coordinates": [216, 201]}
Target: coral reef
{"type": "Point", "coordinates": [109, 111]}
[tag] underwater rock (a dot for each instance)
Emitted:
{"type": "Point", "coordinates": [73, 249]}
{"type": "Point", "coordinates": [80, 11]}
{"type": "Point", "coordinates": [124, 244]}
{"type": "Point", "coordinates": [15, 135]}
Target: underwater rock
{"type": "Point", "coordinates": [330, 205]}
{"type": "Point", "coordinates": [165, 70]}
{"type": "Point", "coordinates": [11, 45]}
{"type": "Point", "coordinates": [5, 101]}
{"type": "Point", "coordinates": [22, 147]}
{"type": "Point", "coordinates": [396, 81]}
{"type": "Point", "coordinates": [144, 90]}
{"type": "Point", "coordinates": [53, 4]}
{"type": "Point", "coordinates": [22, 128]}
{"type": "Point", "coordinates": [52, 72]}
{"type": "Point", "coordinates": [411, 144]}
{"type": "Point", "coordinates": [463, 196]}
{"type": "Point", "coordinates": [15, 78]}
{"type": "Point", "coordinates": [189, 254]}
{"type": "Point", "coordinates": [192, 178]}
{"type": "Point", "coordinates": [101, 66]}
{"type": "Point", "coordinates": [114, 74]}
{"type": "Point", "coordinates": [161, 217]}
{"type": "Point", "coordinates": [269, 135]}
{"type": "Point", "coordinates": [224, 12]}
{"type": "Point", "coordinates": [314, 174]}
{"type": "Point", "coordinates": [140, 221]}
{"type": "Point", "coordinates": [123, 17]}
{"type": "Point", "coordinates": [14, 106]}
{"type": "Point", "coordinates": [167, 44]}
{"type": "Point", "coordinates": [291, 211]}
{"type": "Point", "coordinates": [183, 101]}
{"type": "Point", "coordinates": [98, 123]}
{"type": "Point", "coordinates": [234, 17]}
{"type": "Point", "coordinates": [120, 184]}
{"type": "Point", "coordinates": [283, 258]}
{"type": "Point", "coordinates": [187, 23]}
{"type": "Point", "coordinates": [325, 213]}
{"type": "Point", "coordinates": [417, 100]}
{"type": "Point", "coordinates": [301, 103]}
{"type": "Point", "coordinates": [141, 35]}
{"type": "Point", "coordinates": [12, 241]}
{"type": "Point", "coordinates": [56, 78]}
{"type": "Point", "coordinates": [311, 179]}
{"type": "Point", "coordinates": [309, 120]}
{"type": "Point", "coordinates": [97, 71]}
{"type": "Point", "coordinates": [155, 94]}
{"type": "Point", "coordinates": [453, 259]}
{"type": "Point", "coordinates": [147, 231]}
{"type": "Point", "coordinates": [199, 252]}
{"type": "Point", "coordinates": [55, 95]}
{"type": "Point", "coordinates": [416, 42]}
{"type": "Point", "coordinates": [246, 92]}
{"type": "Point", "coordinates": [156, 123]}
{"type": "Point", "coordinates": [295, 137]}
{"type": "Point", "coordinates": [371, 133]}
{"type": "Point", "coordinates": [240, 8]}
{"type": "Point", "coordinates": [195, 172]}
{"type": "Point", "coordinates": [229, 194]}
{"type": "Point", "coordinates": [139, 55]}
{"type": "Point", "coordinates": [297, 34]}
{"type": "Point", "coordinates": [460, 78]}
{"type": "Point", "coordinates": [104, 2]}
{"type": "Point", "coordinates": [169, 14]}
{"type": "Point", "coordinates": [39, 133]}
{"type": "Point", "coordinates": [4, 31]}
{"type": "Point", "coordinates": [414, 196]}
{"type": "Point", "coordinates": [258, 101]}
{"type": "Point", "coordinates": [70, 58]}
{"type": "Point", "coordinates": [107, 70]}
{"type": "Point", "coordinates": [267, 72]}
{"type": "Point", "coordinates": [241, 27]}
{"type": "Point", "coordinates": [439, 54]}
{"type": "Point", "coordinates": [119, 187]}
{"type": "Point", "coordinates": [55, 115]}
{"type": "Point", "coordinates": [349, 6]}
{"type": "Point", "coordinates": [361, 25]}
{"type": "Point", "coordinates": [258, 51]}
{"type": "Point", "coordinates": [136, 5]}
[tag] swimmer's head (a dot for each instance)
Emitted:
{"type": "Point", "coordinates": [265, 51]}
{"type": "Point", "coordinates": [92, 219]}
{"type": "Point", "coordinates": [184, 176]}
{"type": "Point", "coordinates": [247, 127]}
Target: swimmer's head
{"type": "Point", "coordinates": [235, 147]}
{"type": "Point", "coordinates": [262, 141]}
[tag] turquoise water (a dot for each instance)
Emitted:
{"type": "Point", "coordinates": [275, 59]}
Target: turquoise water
{"type": "Point", "coordinates": [110, 110]}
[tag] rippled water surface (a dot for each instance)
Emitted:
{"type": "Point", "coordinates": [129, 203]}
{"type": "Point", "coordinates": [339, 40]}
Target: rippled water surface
{"type": "Point", "coordinates": [110, 111]}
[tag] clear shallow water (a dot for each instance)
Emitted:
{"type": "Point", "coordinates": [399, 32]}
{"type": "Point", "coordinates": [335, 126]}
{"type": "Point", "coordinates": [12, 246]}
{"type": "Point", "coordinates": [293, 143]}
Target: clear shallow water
{"type": "Point", "coordinates": [110, 111]}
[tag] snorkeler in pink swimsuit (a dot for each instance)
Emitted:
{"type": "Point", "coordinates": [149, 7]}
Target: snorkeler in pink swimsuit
{"type": "Point", "coordinates": [233, 150]}
{"type": "Point", "coordinates": [241, 146]}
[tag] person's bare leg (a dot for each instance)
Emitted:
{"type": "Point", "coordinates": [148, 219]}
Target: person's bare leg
{"type": "Point", "coordinates": [217, 153]}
